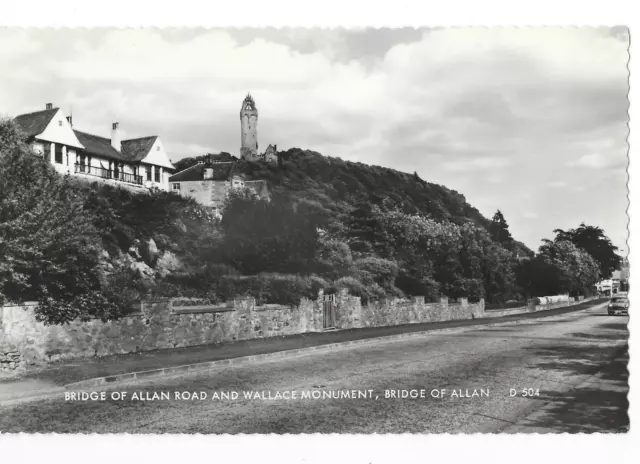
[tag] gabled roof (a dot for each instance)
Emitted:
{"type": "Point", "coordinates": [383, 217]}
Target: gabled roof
{"type": "Point", "coordinates": [138, 149]}
{"type": "Point", "coordinates": [133, 150]}
{"type": "Point", "coordinates": [221, 171]}
{"type": "Point", "coordinates": [100, 146]}
{"type": "Point", "coordinates": [35, 123]}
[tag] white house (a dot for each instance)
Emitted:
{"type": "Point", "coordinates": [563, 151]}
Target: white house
{"type": "Point", "coordinates": [137, 163]}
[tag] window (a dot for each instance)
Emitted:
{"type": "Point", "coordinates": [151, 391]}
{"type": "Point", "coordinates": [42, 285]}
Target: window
{"type": "Point", "coordinates": [157, 174]}
{"type": "Point", "coordinates": [148, 171]}
{"type": "Point", "coordinates": [58, 153]}
{"type": "Point", "coordinates": [60, 123]}
{"type": "Point", "coordinates": [176, 187]}
{"type": "Point", "coordinates": [158, 148]}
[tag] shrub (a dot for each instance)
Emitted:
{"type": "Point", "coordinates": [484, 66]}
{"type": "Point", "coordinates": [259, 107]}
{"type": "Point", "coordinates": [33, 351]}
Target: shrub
{"type": "Point", "coordinates": [49, 242]}
{"type": "Point", "coordinates": [283, 289]}
{"type": "Point", "coordinates": [203, 282]}
{"type": "Point", "coordinates": [381, 271]}
{"type": "Point", "coordinates": [367, 293]}
{"type": "Point", "coordinates": [335, 258]}
{"type": "Point", "coordinates": [315, 285]}
{"type": "Point", "coordinates": [473, 289]}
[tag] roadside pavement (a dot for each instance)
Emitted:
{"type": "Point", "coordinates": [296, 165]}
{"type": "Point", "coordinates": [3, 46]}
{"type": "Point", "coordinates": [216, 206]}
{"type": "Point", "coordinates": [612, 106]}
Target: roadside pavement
{"type": "Point", "coordinates": [55, 376]}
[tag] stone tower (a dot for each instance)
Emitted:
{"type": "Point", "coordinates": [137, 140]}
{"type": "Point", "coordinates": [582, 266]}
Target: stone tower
{"type": "Point", "coordinates": [249, 129]}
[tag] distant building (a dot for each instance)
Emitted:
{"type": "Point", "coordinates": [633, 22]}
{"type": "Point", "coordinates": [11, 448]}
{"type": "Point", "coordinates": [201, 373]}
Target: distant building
{"type": "Point", "coordinates": [249, 129]}
{"type": "Point", "coordinates": [271, 154]}
{"type": "Point", "coordinates": [249, 134]}
{"type": "Point", "coordinates": [136, 163]}
{"type": "Point", "coordinates": [619, 281]}
{"type": "Point", "coordinates": [210, 183]}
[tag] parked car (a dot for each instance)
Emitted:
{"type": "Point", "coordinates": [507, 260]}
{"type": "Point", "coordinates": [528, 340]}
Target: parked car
{"type": "Point", "coordinates": [618, 304]}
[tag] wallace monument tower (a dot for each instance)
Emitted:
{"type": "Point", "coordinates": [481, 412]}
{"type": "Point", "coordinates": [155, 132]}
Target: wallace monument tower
{"type": "Point", "coordinates": [249, 129]}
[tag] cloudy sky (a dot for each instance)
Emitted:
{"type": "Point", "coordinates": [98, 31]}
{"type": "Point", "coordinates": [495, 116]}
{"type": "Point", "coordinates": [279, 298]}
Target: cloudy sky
{"type": "Point", "coordinates": [531, 121]}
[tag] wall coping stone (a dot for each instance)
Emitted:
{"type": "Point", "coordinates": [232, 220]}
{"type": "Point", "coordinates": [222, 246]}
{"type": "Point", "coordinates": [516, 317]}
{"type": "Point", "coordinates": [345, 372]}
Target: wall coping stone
{"type": "Point", "coordinates": [201, 309]}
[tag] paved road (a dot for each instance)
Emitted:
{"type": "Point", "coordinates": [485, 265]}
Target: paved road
{"type": "Point", "coordinates": [566, 363]}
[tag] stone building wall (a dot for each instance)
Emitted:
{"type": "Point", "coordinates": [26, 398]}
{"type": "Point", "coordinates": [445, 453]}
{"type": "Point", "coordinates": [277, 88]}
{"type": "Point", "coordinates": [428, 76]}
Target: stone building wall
{"type": "Point", "coordinates": [205, 192]}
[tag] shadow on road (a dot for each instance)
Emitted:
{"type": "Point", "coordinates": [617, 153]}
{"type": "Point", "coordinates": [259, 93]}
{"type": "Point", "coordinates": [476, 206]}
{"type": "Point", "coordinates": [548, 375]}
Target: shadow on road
{"type": "Point", "coordinates": [613, 337]}
{"type": "Point", "coordinates": [597, 405]}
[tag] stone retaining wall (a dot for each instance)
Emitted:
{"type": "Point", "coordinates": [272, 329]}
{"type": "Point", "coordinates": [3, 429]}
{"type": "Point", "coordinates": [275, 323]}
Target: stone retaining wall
{"type": "Point", "coordinates": [350, 314]}
{"type": "Point", "coordinates": [157, 325]}
{"type": "Point", "coordinates": [162, 324]}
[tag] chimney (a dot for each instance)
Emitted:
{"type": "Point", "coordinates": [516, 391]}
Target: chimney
{"type": "Point", "coordinates": [49, 106]}
{"type": "Point", "coordinates": [116, 141]}
{"type": "Point", "coordinates": [70, 121]}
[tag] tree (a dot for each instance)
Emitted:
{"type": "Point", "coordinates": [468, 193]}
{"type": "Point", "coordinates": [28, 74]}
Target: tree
{"type": "Point", "coordinates": [364, 232]}
{"type": "Point", "coordinates": [539, 277]}
{"type": "Point", "coordinates": [269, 236]}
{"type": "Point", "coordinates": [593, 240]}
{"type": "Point", "coordinates": [499, 230]}
{"type": "Point", "coordinates": [49, 245]}
{"type": "Point", "coordinates": [577, 270]}
{"type": "Point", "coordinates": [498, 273]}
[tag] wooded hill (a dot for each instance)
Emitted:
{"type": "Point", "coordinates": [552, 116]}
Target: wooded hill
{"type": "Point", "coordinates": [339, 186]}
{"type": "Point", "coordinates": [89, 250]}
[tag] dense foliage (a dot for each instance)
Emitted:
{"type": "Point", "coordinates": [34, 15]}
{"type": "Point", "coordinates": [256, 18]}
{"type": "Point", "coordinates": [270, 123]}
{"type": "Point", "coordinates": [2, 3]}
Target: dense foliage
{"type": "Point", "coordinates": [560, 267]}
{"type": "Point", "coordinates": [49, 243]}
{"type": "Point", "coordinates": [593, 240]}
{"type": "Point", "coordinates": [55, 231]}
{"type": "Point", "coordinates": [334, 219]}
{"type": "Point", "coordinates": [499, 230]}
{"type": "Point", "coordinates": [328, 224]}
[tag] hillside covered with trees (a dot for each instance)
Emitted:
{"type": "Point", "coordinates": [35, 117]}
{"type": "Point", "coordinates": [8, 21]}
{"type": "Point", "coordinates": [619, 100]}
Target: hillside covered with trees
{"type": "Point", "coordinates": [90, 250]}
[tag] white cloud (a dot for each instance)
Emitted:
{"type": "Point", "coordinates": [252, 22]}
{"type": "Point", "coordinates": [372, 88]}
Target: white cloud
{"type": "Point", "coordinates": [593, 161]}
{"type": "Point", "coordinates": [507, 109]}
{"type": "Point", "coordinates": [474, 164]}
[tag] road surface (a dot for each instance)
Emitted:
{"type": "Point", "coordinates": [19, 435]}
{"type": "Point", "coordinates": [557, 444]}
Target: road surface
{"type": "Point", "coordinates": [558, 374]}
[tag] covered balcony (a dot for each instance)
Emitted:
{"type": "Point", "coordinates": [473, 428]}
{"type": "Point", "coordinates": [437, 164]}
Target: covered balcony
{"type": "Point", "coordinates": [117, 175]}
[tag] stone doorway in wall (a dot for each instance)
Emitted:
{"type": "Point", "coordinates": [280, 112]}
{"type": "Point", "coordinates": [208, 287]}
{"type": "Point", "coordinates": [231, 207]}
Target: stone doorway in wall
{"type": "Point", "coordinates": [329, 312]}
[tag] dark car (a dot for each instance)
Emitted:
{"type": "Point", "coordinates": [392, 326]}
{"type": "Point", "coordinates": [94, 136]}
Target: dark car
{"type": "Point", "coordinates": [618, 304]}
